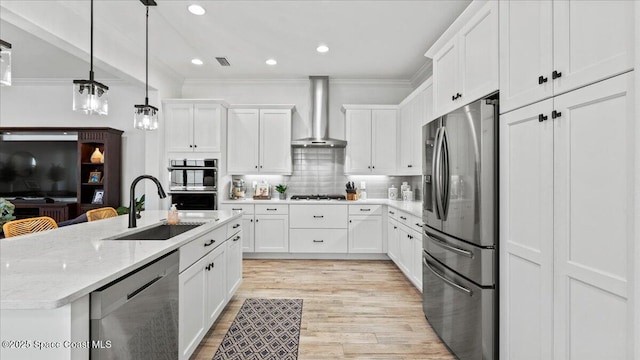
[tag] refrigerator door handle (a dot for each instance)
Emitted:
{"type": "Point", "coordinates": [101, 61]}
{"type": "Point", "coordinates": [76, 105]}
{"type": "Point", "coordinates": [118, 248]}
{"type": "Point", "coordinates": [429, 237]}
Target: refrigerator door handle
{"type": "Point", "coordinates": [437, 155]}
{"type": "Point", "coordinates": [449, 282]}
{"type": "Point", "coordinates": [446, 178]}
{"type": "Point", "coordinates": [443, 244]}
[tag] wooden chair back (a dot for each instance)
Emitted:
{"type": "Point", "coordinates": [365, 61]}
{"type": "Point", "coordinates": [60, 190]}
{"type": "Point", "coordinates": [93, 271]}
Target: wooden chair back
{"type": "Point", "coordinates": [101, 213]}
{"type": "Point", "coordinates": [28, 226]}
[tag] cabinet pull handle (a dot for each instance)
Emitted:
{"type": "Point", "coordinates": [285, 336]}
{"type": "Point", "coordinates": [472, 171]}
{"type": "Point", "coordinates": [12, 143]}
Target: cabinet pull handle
{"type": "Point", "coordinates": [373, 167]}
{"type": "Point", "coordinates": [542, 118]}
{"type": "Point", "coordinates": [361, 209]}
{"type": "Point", "coordinates": [236, 238]}
{"type": "Point", "coordinates": [260, 166]}
{"type": "Point", "coordinates": [235, 226]}
{"type": "Point", "coordinates": [395, 227]}
{"type": "Point", "coordinates": [251, 220]}
{"type": "Point", "coordinates": [210, 266]}
{"type": "Point", "coordinates": [318, 241]}
{"type": "Point", "coordinates": [256, 166]}
{"type": "Point", "coordinates": [350, 221]}
{"type": "Point", "coordinates": [555, 114]}
{"type": "Point", "coordinates": [556, 74]}
{"type": "Point", "coordinates": [236, 209]}
{"type": "Point", "coordinates": [209, 243]}
{"type": "Point", "coordinates": [453, 97]}
{"type": "Point", "coordinates": [318, 216]}
{"type": "Point", "coordinates": [403, 218]}
{"type": "Point", "coordinates": [419, 225]}
{"type": "Point", "coordinates": [542, 80]}
{"type": "Point", "coordinates": [191, 146]}
{"type": "Point", "coordinates": [256, 220]}
{"type": "Point", "coordinates": [195, 146]}
{"type": "Point", "coordinates": [272, 209]}
{"type": "Point", "coordinates": [369, 167]}
{"type": "Point", "coordinates": [391, 212]}
{"type": "Point", "coordinates": [409, 165]}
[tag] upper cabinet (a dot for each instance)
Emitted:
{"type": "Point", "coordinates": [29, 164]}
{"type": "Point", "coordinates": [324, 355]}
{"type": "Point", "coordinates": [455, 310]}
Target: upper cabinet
{"type": "Point", "coordinates": [259, 139]}
{"type": "Point", "coordinates": [193, 125]}
{"type": "Point", "coordinates": [371, 139]}
{"type": "Point", "coordinates": [415, 111]}
{"type": "Point", "coordinates": [550, 47]}
{"type": "Point", "coordinates": [465, 58]}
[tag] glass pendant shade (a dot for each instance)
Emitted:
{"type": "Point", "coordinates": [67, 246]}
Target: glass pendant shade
{"type": "Point", "coordinates": [146, 117]}
{"type": "Point", "coordinates": [5, 63]}
{"type": "Point", "coordinates": [90, 97]}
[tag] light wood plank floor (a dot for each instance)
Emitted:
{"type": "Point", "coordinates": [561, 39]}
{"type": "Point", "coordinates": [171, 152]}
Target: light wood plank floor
{"type": "Point", "coordinates": [351, 309]}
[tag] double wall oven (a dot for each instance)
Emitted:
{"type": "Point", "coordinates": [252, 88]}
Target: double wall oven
{"type": "Point", "coordinates": [194, 183]}
{"type": "Point", "coordinates": [460, 236]}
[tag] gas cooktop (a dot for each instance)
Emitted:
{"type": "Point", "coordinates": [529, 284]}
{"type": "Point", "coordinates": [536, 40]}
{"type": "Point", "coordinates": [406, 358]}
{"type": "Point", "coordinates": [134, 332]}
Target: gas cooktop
{"type": "Point", "coordinates": [318, 197]}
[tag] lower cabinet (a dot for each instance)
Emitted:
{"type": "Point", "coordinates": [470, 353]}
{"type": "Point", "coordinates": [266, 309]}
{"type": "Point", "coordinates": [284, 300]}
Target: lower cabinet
{"type": "Point", "coordinates": [272, 233]}
{"type": "Point", "coordinates": [234, 263]}
{"type": "Point", "coordinates": [405, 245]}
{"type": "Point", "coordinates": [248, 228]}
{"type": "Point", "coordinates": [199, 299]}
{"type": "Point", "coordinates": [393, 238]}
{"type": "Point", "coordinates": [318, 241]}
{"type": "Point", "coordinates": [365, 234]}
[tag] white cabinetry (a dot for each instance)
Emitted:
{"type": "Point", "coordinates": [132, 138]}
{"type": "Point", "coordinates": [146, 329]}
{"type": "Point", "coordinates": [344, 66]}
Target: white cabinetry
{"type": "Point", "coordinates": [248, 224]}
{"type": "Point", "coordinates": [259, 139]}
{"type": "Point", "coordinates": [409, 247]}
{"type": "Point", "coordinates": [215, 268]}
{"type": "Point", "coordinates": [550, 47]}
{"type": "Point", "coordinates": [415, 111]}
{"type": "Point", "coordinates": [465, 59]}
{"type": "Point", "coordinates": [234, 262]}
{"type": "Point", "coordinates": [393, 236]}
{"type": "Point", "coordinates": [271, 228]}
{"type": "Point", "coordinates": [365, 229]}
{"type": "Point", "coordinates": [318, 228]}
{"type": "Point", "coordinates": [566, 238]}
{"type": "Point", "coordinates": [193, 125]}
{"type": "Point", "coordinates": [371, 139]}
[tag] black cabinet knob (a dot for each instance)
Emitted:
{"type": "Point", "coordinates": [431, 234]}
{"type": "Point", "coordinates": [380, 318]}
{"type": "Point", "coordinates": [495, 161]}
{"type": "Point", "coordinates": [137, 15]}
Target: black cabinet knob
{"type": "Point", "coordinates": [556, 74]}
{"type": "Point", "coordinates": [542, 80]}
{"type": "Point", "coordinates": [195, 146]}
{"type": "Point", "coordinates": [555, 114]}
{"type": "Point", "coordinates": [190, 146]}
{"type": "Point", "coordinates": [542, 118]}
{"type": "Point", "coordinates": [453, 97]}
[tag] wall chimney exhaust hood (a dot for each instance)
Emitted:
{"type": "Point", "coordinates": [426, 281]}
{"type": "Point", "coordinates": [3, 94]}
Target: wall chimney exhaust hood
{"type": "Point", "coordinates": [319, 117]}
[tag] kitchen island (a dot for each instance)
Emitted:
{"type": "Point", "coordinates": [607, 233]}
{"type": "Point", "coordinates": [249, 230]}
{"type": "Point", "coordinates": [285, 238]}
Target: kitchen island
{"type": "Point", "coordinates": [46, 278]}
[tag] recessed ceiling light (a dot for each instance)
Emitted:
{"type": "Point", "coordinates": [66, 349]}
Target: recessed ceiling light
{"type": "Point", "coordinates": [196, 62]}
{"type": "Point", "coordinates": [196, 9]}
{"type": "Point", "coordinates": [271, 62]}
{"type": "Point", "coordinates": [322, 49]}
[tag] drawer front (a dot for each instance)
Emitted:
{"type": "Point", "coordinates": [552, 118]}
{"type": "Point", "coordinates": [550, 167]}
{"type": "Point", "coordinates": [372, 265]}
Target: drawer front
{"type": "Point", "coordinates": [234, 227]}
{"type": "Point", "coordinates": [200, 246]}
{"type": "Point", "coordinates": [318, 240]}
{"type": "Point", "coordinates": [318, 217]}
{"type": "Point", "coordinates": [272, 209]}
{"type": "Point", "coordinates": [247, 208]}
{"type": "Point", "coordinates": [392, 213]}
{"type": "Point", "coordinates": [408, 220]}
{"type": "Point", "coordinates": [365, 209]}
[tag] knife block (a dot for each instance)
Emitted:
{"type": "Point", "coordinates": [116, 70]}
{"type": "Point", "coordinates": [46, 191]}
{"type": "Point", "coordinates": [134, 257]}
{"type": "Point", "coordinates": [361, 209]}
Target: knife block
{"type": "Point", "coordinates": [352, 196]}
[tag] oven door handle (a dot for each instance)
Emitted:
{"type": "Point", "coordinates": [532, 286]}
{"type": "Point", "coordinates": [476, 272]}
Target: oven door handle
{"type": "Point", "coordinates": [447, 281]}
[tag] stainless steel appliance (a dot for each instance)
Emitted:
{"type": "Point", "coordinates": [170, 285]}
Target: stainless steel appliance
{"type": "Point", "coordinates": [136, 316]}
{"type": "Point", "coordinates": [194, 183]}
{"type": "Point", "coordinates": [460, 236]}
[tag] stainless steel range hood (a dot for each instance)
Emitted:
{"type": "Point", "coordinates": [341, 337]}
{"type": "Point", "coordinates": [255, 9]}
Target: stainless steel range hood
{"type": "Point", "coordinates": [319, 117]}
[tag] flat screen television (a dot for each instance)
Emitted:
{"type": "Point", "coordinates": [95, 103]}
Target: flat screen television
{"type": "Point", "coordinates": [35, 169]}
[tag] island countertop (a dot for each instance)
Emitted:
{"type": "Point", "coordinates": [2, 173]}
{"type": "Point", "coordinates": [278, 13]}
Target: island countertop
{"type": "Point", "coordinates": [53, 268]}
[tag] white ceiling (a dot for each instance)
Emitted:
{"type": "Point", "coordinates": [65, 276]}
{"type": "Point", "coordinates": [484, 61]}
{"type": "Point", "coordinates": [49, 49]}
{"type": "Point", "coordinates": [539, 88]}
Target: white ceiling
{"type": "Point", "coordinates": [367, 39]}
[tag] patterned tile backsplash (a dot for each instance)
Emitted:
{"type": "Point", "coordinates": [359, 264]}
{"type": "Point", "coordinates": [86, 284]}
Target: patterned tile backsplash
{"type": "Point", "coordinates": [321, 171]}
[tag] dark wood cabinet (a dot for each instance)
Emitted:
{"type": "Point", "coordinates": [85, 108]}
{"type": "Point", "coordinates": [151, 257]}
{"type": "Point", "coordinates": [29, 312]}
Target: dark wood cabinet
{"type": "Point", "coordinates": [108, 172]}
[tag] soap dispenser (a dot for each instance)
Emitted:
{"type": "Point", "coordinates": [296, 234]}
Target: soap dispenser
{"type": "Point", "coordinates": [172, 217]}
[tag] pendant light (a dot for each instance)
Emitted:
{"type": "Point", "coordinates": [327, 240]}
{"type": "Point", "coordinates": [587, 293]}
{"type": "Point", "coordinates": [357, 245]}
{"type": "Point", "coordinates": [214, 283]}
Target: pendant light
{"type": "Point", "coordinates": [146, 116]}
{"type": "Point", "coordinates": [90, 96]}
{"type": "Point", "coordinates": [5, 63]}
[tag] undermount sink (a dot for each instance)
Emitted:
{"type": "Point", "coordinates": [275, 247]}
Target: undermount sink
{"type": "Point", "coordinates": [158, 232]}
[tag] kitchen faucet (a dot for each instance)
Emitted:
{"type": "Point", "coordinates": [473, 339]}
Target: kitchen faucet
{"type": "Point", "coordinates": [132, 197]}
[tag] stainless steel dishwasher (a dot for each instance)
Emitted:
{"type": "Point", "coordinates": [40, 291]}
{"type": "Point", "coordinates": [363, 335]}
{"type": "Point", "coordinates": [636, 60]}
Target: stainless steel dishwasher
{"type": "Point", "coordinates": [136, 316]}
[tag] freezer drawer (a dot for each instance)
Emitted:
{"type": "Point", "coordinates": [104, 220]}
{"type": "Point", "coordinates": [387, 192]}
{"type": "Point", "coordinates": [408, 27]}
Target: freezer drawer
{"type": "Point", "coordinates": [475, 263]}
{"type": "Point", "coordinates": [461, 313]}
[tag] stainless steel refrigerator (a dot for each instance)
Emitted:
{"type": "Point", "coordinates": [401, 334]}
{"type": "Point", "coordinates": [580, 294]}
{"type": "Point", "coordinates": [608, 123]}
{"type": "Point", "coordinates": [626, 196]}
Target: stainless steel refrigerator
{"type": "Point", "coordinates": [461, 234]}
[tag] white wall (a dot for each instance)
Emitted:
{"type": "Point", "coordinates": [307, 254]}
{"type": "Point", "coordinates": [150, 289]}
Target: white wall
{"type": "Point", "coordinates": [297, 92]}
{"type": "Point", "coordinates": [48, 104]}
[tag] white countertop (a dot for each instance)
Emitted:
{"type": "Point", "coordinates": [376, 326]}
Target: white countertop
{"type": "Point", "coordinates": [50, 269]}
{"type": "Point", "coordinates": [412, 207]}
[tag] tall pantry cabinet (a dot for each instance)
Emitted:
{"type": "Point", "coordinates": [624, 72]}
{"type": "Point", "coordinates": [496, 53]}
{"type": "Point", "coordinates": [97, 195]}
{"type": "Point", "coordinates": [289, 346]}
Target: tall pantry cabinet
{"type": "Point", "coordinates": [568, 228]}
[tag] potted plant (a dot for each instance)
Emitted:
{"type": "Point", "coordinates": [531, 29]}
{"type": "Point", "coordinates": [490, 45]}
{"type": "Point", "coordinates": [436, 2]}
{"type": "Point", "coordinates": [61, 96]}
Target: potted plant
{"type": "Point", "coordinates": [6, 212]}
{"type": "Point", "coordinates": [282, 190]}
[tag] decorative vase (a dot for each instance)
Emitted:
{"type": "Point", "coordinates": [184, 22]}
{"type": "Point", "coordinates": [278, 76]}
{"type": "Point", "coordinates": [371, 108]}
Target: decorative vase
{"type": "Point", "coordinates": [97, 157]}
{"type": "Point", "coordinates": [282, 196]}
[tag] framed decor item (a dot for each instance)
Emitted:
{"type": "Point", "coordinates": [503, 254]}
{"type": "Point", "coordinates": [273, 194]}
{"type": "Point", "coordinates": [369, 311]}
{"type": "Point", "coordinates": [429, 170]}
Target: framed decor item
{"type": "Point", "coordinates": [98, 196]}
{"type": "Point", "coordinates": [95, 177]}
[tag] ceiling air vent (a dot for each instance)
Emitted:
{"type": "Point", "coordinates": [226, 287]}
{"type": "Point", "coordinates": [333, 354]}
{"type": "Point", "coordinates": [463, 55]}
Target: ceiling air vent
{"type": "Point", "coordinates": [223, 61]}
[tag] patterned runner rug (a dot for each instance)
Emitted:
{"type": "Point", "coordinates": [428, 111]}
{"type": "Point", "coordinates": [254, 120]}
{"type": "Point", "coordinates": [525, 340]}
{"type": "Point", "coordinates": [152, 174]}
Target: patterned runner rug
{"type": "Point", "coordinates": [264, 329]}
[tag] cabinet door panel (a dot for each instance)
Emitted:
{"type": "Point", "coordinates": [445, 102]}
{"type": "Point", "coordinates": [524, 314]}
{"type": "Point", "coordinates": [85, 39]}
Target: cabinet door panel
{"type": "Point", "coordinates": [526, 52]}
{"type": "Point", "coordinates": [383, 141]}
{"type": "Point", "coordinates": [206, 125]}
{"type": "Point", "coordinates": [358, 132]}
{"type": "Point", "coordinates": [592, 232]}
{"type": "Point", "coordinates": [216, 278]}
{"type": "Point", "coordinates": [405, 147]}
{"type": "Point", "coordinates": [242, 141]}
{"type": "Point", "coordinates": [446, 82]}
{"type": "Point", "coordinates": [234, 264]}
{"type": "Point", "coordinates": [192, 313]}
{"type": "Point", "coordinates": [526, 232]}
{"type": "Point", "coordinates": [405, 251]}
{"type": "Point", "coordinates": [365, 234]}
{"type": "Point", "coordinates": [272, 233]}
{"type": "Point", "coordinates": [478, 51]}
{"type": "Point", "coordinates": [179, 127]}
{"type": "Point", "coordinates": [592, 40]}
{"type": "Point", "coordinates": [275, 141]}
{"type": "Point", "coordinates": [393, 247]}
{"type": "Point", "coordinates": [416, 261]}
{"type": "Point", "coordinates": [248, 244]}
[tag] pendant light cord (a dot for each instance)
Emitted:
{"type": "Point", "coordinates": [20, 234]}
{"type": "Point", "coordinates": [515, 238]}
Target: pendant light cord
{"type": "Point", "coordinates": [91, 47]}
{"type": "Point", "coordinates": [146, 80]}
